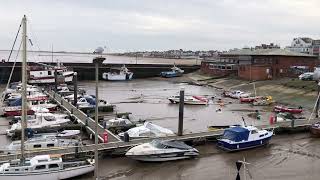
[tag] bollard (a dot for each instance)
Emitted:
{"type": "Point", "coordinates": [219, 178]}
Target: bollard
{"type": "Point", "coordinates": [126, 137]}
{"type": "Point", "coordinates": [181, 108]}
{"type": "Point", "coordinates": [271, 120]}
{"type": "Point", "coordinates": [105, 137]}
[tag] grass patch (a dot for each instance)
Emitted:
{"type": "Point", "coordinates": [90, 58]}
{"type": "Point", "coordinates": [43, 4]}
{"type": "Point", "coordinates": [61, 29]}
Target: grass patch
{"type": "Point", "coordinates": [299, 84]}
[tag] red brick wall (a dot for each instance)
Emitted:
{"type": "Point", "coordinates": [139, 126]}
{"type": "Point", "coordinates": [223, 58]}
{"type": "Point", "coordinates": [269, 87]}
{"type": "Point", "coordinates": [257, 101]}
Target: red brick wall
{"type": "Point", "coordinates": [253, 72]}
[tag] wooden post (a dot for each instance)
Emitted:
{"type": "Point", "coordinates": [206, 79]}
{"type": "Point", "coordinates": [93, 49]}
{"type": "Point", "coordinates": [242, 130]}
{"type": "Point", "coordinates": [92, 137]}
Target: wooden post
{"type": "Point", "coordinates": [55, 80]}
{"type": "Point", "coordinates": [75, 89]}
{"type": "Point", "coordinates": [181, 108]}
{"type": "Point", "coordinates": [317, 105]}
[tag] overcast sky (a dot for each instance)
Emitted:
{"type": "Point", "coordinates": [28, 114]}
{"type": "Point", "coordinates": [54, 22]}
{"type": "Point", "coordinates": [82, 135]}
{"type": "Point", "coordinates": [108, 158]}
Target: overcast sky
{"type": "Point", "coordinates": [130, 25]}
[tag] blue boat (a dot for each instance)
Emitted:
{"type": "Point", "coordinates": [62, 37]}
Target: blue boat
{"type": "Point", "coordinates": [244, 137]}
{"type": "Point", "coordinates": [175, 72]}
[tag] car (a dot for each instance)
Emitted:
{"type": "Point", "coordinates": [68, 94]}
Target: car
{"type": "Point", "coordinates": [306, 76]}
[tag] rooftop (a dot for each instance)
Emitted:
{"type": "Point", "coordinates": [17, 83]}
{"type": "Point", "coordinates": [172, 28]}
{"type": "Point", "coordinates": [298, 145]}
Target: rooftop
{"type": "Point", "coordinates": [266, 52]}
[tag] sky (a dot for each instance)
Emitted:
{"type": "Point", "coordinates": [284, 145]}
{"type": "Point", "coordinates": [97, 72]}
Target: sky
{"type": "Point", "coordinates": [139, 25]}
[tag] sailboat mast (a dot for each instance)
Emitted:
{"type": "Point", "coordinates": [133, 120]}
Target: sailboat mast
{"type": "Point", "coordinates": [24, 83]}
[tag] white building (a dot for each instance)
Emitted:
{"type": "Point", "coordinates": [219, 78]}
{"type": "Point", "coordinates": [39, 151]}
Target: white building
{"type": "Point", "coordinates": [301, 45]}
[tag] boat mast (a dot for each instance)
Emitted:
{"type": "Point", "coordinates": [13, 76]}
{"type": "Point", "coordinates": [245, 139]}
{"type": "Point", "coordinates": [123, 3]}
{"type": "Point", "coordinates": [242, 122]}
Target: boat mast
{"type": "Point", "coordinates": [24, 84]}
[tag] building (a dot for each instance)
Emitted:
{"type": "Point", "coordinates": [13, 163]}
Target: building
{"type": "Point", "coordinates": [301, 45]}
{"type": "Point", "coordinates": [219, 67]}
{"type": "Point", "coordinates": [316, 47]}
{"type": "Point", "coordinates": [268, 46]}
{"type": "Point", "coordinates": [263, 64]}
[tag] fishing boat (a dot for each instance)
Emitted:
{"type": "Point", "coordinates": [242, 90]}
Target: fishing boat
{"type": "Point", "coordinates": [48, 167]}
{"type": "Point", "coordinates": [146, 131]}
{"type": "Point", "coordinates": [315, 129]}
{"type": "Point", "coordinates": [44, 74]}
{"type": "Point", "coordinates": [175, 72]}
{"type": "Point", "coordinates": [117, 74]}
{"type": "Point", "coordinates": [160, 150]}
{"type": "Point", "coordinates": [190, 100]}
{"type": "Point", "coordinates": [288, 109]}
{"type": "Point", "coordinates": [243, 137]}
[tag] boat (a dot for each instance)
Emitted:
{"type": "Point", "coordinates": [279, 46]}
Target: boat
{"type": "Point", "coordinates": [288, 109]}
{"type": "Point", "coordinates": [315, 129]}
{"type": "Point", "coordinates": [48, 167]}
{"type": "Point", "coordinates": [264, 101]}
{"type": "Point", "coordinates": [175, 72]}
{"type": "Point", "coordinates": [44, 74]}
{"type": "Point", "coordinates": [243, 137]}
{"type": "Point", "coordinates": [238, 94]}
{"type": "Point", "coordinates": [118, 125]}
{"type": "Point", "coordinates": [43, 141]}
{"type": "Point", "coordinates": [41, 120]}
{"type": "Point", "coordinates": [117, 74]}
{"type": "Point", "coordinates": [147, 130]}
{"type": "Point", "coordinates": [190, 100]}
{"type": "Point", "coordinates": [250, 99]}
{"type": "Point", "coordinates": [161, 150]}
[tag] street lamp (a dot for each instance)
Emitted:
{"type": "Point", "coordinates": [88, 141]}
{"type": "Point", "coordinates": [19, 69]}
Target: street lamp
{"type": "Point", "coordinates": [97, 61]}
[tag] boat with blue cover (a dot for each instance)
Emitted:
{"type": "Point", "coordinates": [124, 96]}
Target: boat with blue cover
{"type": "Point", "coordinates": [175, 72]}
{"type": "Point", "coordinates": [244, 137]}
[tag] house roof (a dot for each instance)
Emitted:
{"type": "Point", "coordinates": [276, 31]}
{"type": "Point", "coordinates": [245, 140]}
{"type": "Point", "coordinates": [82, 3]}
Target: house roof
{"type": "Point", "coordinates": [266, 52]}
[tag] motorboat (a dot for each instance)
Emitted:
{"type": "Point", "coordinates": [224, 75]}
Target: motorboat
{"type": "Point", "coordinates": [147, 130]}
{"type": "Point", "coordinates": [190, 100]}
{"type": "Point", "coordinates": [161, 150]}
{"type": "Point", "coordinates": [288, 109]}
{"type": "Point", "coordinates": [41, 120]}
{"type": "Point", "coordinates": [44, 74]}
{"type": "Point", "coordinates": [243, 137]}
{"type": "Point", "coordinates": [89, 101]}
{"type": "Point", "coordinates": [43, 141]}
{"type": "Point", "coordinates": [117, 125]}
{"type": "Point", "coordinates": [237, 94]}
{"type": "Point", "coordinates": [175, 72]}
{"type": "Point", "coordinates": [264, 101]}
{"type": "Point", "coordinates": [117, 74]}
{"type": "Point", "coordinates": [315, 129]}
{"type": "Point", "coordinates": [48, 167]}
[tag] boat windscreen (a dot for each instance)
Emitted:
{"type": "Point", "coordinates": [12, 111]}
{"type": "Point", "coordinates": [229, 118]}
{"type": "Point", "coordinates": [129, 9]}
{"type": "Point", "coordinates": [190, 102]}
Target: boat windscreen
{"type": "Point", "coordinates": [176, 144]}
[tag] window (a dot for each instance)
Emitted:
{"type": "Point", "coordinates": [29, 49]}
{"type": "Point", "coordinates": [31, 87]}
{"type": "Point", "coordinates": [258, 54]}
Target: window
{"type": "Point", "coordinates": [51, 166]}
{"type": "Point", "coordinates": [40, 167]}
{"type": "Point", "coordinates": [37, 146]}
{"type": "Point", "coordinates": [254, 132]}
{"type": "Point", "coordinates": [49, 73]}
{"type": "Point", "coordinates": [50, 145]}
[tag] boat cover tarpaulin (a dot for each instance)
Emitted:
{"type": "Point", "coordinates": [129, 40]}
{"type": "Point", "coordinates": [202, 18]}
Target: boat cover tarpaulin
{"type": "Point", "coordinates": [176, 144]}
{"type": "Point", "coordinates": [17, 102]}
{"type": "Point", "coordinates": [236, 134]}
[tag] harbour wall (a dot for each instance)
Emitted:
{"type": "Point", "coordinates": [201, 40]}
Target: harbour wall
{"type": "Point", "coordinates": [86, 71]}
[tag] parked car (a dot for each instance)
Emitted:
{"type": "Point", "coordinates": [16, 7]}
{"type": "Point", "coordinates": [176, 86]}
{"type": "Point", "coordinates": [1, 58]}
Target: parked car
{"type": "Point", "coordinates": [306, 76]}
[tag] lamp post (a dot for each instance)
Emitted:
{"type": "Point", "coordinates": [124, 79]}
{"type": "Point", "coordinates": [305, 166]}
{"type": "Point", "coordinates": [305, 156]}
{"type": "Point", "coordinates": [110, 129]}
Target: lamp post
{"type": "Point", "coordinates": [97, 61]}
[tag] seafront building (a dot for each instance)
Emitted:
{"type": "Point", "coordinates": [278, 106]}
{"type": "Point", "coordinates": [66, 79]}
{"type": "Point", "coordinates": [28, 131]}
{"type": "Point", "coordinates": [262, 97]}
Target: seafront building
{"type": "Point", "coordinates": [305, 45]}
{"type": "Point", "coordinates": [260, 64]}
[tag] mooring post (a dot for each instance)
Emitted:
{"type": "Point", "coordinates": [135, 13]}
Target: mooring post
{"type": "Point", "coordinates": [181, 108]}
{"type": "Point", "coordinates": [75, 89]}
{"type": "Point", "coordinates": [317, 105]}
{"type": "Point", "coordinates": [55, 80]}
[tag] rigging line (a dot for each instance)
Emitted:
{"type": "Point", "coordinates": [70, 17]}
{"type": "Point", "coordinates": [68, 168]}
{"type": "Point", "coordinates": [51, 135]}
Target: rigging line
{"type": "Point", "coordinates": [14, 64]}
{"type": "Point", "coordinates": [14, 42]}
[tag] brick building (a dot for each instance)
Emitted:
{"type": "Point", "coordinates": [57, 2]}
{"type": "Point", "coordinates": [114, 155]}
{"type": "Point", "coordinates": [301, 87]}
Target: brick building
{"type": "Point", "coordinates": [266, 64]}
{"type": "Point", "coordinates": [262, 64]}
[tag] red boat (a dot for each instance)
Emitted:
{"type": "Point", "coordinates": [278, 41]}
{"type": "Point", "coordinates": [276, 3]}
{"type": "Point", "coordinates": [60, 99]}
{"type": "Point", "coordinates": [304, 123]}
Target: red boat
{"type": "Point", "coordinates": [249, 99]}
{"type": "Point", "coordinates": [9, 112]}
{"type": "Point", "coordinates": [288, 109]}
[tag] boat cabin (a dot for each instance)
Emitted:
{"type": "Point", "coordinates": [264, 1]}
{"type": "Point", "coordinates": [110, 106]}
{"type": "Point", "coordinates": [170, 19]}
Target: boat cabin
{"type": "Point", "coordinates": [248, 133]}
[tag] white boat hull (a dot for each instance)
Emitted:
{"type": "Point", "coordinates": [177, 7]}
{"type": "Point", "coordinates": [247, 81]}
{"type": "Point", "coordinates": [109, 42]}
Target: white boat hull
{"type": "Point", "coordinates": [176, 101]}
{"type": "Point", "coordinates": [158, 159]}
{"type": "Point", "coordinates": [50, 175]}
{"type": "Point", "coordinates": [117, 77]}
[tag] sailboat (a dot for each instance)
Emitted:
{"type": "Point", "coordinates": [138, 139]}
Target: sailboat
{"type": "Point", "coordinates": [49, 167]}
